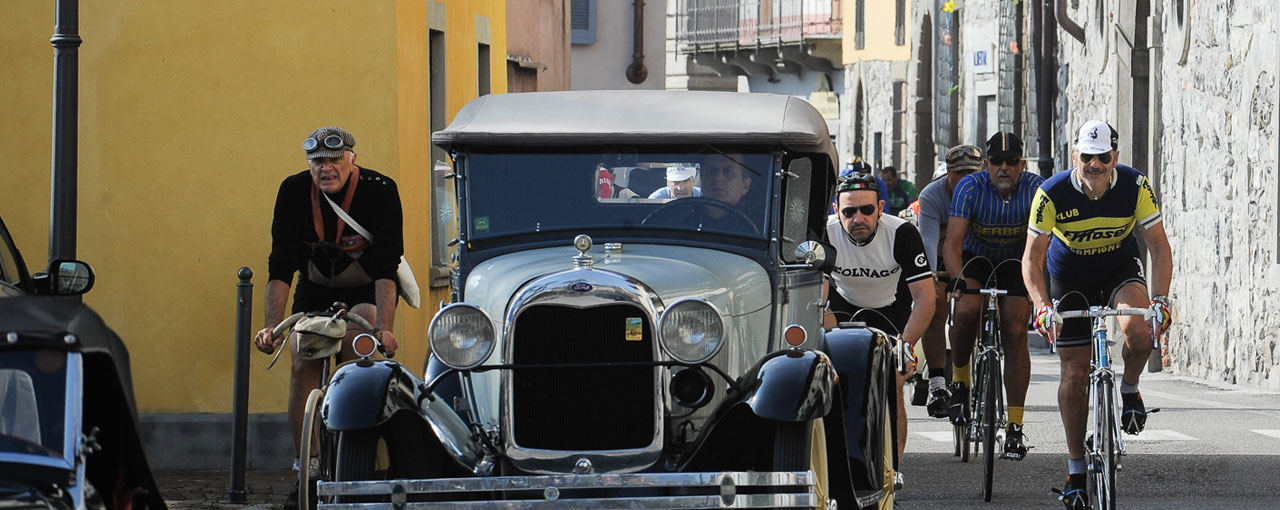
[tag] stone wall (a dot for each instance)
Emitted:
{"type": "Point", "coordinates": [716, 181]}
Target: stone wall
{"type": "Point", "coordinates": [1216, 152]}
{"type": "Point", "coordinates": [877, 78]}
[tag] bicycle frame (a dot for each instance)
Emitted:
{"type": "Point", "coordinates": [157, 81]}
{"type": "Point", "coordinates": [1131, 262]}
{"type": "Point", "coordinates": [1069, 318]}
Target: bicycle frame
{"type": "Point", "coordinates": [988, 410]}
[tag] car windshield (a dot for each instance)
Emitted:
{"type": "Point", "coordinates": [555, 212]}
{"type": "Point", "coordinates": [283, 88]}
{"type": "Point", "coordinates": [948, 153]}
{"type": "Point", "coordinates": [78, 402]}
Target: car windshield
{"type": "Point", "coordinates": [33, 387]}
{"type": "Point", "coordinates": [704, 191]}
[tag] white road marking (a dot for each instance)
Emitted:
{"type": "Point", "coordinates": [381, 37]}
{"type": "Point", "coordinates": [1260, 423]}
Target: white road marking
{"type": "Point", "coordinates": [938, 437]}
{"type": "Point", "coordinates": [1159, 435]}
{"type": "Point", "coordinates": [1268, 432]}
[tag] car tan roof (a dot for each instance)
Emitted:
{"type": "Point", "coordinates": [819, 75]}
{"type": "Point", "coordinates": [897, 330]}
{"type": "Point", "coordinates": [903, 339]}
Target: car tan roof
{"type": "Point", "coordinates": [637, 117]}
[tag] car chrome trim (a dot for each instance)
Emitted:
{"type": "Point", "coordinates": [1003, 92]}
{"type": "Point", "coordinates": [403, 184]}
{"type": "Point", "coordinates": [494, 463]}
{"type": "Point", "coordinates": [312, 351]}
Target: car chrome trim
{"type": "Point", "coordinates": [607, 288]}
{"type": "Point", "coordinates": [796, 489]}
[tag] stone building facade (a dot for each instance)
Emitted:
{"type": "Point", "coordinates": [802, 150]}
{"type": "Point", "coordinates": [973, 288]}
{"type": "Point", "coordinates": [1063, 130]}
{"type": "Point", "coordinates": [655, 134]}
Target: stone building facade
{"type": "Point", "coordinates": [1191, 88]}
{"type": "Point", "coordinates": [1218, 147]}
{"type": "Point", "coordinates": [1209, 143]}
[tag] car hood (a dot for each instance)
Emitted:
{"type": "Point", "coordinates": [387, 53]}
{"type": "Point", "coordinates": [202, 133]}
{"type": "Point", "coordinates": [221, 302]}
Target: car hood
{"type": "Point", "coordinates": [734, 284]}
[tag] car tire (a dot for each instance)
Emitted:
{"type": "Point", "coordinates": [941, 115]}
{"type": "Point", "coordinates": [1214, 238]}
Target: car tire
{"type": "Point", "coordinates": [357, 458]}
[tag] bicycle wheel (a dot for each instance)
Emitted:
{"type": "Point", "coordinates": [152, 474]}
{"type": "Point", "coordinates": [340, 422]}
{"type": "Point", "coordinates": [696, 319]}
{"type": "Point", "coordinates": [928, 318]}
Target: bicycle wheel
{"type": "Point", "coordinates": [306, 476]}
{"type": "Point", "coordinates": [1105, 440]}
{"type": "Point", "coordinates": [990, 390]}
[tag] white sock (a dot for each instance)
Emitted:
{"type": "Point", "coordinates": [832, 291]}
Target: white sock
{"type": "Point", "coordinates": [937, 383]}
{"type": "Point", "coordinates": [1128, 388]}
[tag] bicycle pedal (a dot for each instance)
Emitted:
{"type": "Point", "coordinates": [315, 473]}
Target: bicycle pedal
{"type": "Point", "coordinates": [1153, 410]}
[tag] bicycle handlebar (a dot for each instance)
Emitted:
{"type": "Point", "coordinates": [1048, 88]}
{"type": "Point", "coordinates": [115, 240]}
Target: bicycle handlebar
{"type": "Point", "coordinates": [1105, 312]}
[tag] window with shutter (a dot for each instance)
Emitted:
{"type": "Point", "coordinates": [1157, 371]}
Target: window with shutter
{"type": "Point", "coordinates": [582, 21]}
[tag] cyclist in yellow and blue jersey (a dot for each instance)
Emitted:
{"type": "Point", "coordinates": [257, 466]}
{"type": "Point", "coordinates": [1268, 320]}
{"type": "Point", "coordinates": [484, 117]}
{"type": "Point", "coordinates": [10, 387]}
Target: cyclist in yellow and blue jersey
{"type": "Point", "coordinates": [1082, 226]}
{"type": "Point", "coordinates": [989, 213]}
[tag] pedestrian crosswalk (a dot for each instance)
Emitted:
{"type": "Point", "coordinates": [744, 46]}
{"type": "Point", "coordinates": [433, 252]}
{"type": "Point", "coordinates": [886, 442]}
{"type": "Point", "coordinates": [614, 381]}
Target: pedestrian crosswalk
{"type": "Point", "coordinates": [944, 436]}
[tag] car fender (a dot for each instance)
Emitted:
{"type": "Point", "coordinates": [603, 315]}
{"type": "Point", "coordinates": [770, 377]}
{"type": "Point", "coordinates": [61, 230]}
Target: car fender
{"type": "Point", "coordinates": [861, 358]}
{"type": "Point", "coordinates": [365, 394]}
{"type": "Point", "coordinates": [791, 385]}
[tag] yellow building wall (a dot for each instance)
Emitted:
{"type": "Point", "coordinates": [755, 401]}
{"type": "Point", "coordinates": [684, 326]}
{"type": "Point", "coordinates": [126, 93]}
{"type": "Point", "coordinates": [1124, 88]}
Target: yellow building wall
{"type": "Point", "coordinates": [879, 31]}
{"type": "Point", "coordinates": [190, 115]}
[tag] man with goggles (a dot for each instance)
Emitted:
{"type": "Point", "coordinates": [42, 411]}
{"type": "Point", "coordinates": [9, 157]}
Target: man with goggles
{"type": "Point", "coordinates": [935, 210]}
{"type": "Point", "coordinates": [880, 272]}
{"type": "Point", "coordinates": [988, 219]}
{"type": "Point", "coordinates": [334, 261]}
{"type": "Point", "coordinates": [1082, 227]}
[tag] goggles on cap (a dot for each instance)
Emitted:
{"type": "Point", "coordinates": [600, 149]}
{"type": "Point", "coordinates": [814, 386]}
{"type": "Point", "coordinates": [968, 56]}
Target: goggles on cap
{"type": "Point", "coordinates": [866, 210]}
{"type": "Point", "coordinates": [964, 151]}
{"type": "Point", "coordinates": [331, 142]}
{"type": "Point", "coordinates": [1104, 158]}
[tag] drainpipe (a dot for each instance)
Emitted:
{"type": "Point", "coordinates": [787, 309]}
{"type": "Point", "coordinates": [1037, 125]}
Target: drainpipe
{"type": "Point", "coordinates": [66, 47]}
{"type": "Point", "coordinates": [636, 72]}
{"type": "Point", "coordinates": [1070, 26]}
{"type": "Point", "coordinates": [1047, 83]}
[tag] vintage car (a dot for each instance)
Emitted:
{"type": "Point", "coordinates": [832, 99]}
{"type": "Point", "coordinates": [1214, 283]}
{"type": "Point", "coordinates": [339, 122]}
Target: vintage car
{"type": "Point", "coordinates": [604, 349]}
{"type": "Point", "coordinates": [68, 425]}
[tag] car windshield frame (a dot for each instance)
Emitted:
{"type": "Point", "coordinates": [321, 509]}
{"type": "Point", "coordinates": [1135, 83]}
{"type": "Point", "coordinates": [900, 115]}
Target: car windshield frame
{"type": "Point", "coordinates": [562, 191]}
{"type": "Point", "coordinates": [53, 374]}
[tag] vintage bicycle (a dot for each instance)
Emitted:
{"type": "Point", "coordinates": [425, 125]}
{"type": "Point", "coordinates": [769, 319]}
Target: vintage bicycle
{"type": "Point", "coordinates": [319, 335]}
{"type": "Point", "coordinates": [1104, 445]}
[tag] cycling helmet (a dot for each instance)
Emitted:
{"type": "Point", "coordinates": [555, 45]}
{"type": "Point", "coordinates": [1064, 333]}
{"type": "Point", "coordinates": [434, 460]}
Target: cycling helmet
{"type": "Point", "coordinates": [858, 181]}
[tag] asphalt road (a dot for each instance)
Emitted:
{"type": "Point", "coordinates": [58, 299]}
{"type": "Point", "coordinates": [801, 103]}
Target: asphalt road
{"type": "Point", "coordinates": [1209, 447]}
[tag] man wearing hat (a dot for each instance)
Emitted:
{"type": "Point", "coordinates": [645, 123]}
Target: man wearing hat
{"type": "Point", "coordinates": [1082, 227]}
{"type": "Point", "coordinates": [334, 261]}
{"type": "Point", "coordinates": [679, 183]}
{"type": "Point", "coordinates": [985, 239]}
{"type": "Point", "coordinates": [935, 210]}
{"type": "Point", "coordinates": [881, 275]}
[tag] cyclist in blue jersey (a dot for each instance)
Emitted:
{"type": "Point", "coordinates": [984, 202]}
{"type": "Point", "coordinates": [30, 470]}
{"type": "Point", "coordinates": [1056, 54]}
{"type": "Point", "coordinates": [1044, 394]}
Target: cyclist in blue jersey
{"type": "Point", "coordinates": [1082, 226]}
{"type": "Point", "coordinates": [989, 212]}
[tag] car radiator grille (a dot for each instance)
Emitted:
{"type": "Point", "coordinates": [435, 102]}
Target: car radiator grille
{"type": "Point", "coordinates": [582, 408]}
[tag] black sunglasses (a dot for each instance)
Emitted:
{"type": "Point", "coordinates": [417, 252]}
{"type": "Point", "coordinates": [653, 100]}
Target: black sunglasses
{"type": "Point", "coordinates": [1011, 161]}
{"type": "Point", "coordinates": [866, 210]}
{"type": "Point", "coordinates": [1104, 158]}
{"type": "Point", "coordinates": [313, 143]}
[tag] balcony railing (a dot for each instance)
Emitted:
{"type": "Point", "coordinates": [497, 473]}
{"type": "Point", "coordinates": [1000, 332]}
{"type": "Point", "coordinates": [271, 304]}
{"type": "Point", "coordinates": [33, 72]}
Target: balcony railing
{"type": "Point", "coordinates": [703, 25]}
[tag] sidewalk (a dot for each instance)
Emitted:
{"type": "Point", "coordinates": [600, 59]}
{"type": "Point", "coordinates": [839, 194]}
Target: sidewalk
{"type": "Point", "coordinates": [207, 490]}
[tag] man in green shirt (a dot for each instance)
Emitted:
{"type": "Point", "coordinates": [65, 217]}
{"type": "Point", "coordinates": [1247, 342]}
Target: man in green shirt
{"type": "Point", "coordinates": [901, 193]}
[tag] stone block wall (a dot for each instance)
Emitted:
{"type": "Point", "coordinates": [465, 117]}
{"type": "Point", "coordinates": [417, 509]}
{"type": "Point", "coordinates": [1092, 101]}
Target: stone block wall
{"type": "Point", "coordinates": [1216, 143]}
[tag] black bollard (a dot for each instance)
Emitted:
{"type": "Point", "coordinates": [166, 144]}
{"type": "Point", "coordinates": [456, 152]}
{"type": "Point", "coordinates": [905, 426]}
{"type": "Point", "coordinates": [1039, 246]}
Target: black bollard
{"type": "Point", "coordinates": [240, 413]}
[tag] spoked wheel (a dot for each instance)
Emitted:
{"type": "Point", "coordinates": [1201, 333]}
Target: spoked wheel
{"type": "Point", "coordinates": [890, 446]}
{"type": "Point", "coordinates": [1104, 442]}
{"type": "Point", "coordinates": [314, 437]}
{"type": "Point", "coordinates": [990, 389]}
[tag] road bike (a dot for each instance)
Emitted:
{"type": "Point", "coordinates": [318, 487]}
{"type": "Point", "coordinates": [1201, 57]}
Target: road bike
{"type": "Point", "coordinates": [983, 428]}
{"type": "Point", "coordinates": [317, 440]}
{"type": "Point", "coordinates": [1104, 446]}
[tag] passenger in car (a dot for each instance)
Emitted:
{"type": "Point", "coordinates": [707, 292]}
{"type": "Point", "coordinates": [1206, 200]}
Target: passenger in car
{"type": "Point", "coordinates": [680, 184]}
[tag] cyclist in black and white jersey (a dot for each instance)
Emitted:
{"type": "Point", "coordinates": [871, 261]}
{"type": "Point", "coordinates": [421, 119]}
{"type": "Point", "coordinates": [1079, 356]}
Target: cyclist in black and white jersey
{"type": "Point", "coordinates": [880, 267]}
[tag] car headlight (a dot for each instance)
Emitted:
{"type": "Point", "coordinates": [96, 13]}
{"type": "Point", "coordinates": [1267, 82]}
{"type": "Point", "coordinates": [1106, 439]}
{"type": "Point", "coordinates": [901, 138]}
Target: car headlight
{"type": "Point", "coordinates": [691, 331]}
{"type": "Point", "coordinates": [461, 335]}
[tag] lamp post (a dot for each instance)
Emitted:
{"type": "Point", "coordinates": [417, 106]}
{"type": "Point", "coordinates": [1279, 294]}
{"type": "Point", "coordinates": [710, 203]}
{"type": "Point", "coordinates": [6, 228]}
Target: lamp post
{"type": "Point", "coordinates": [66, 48]}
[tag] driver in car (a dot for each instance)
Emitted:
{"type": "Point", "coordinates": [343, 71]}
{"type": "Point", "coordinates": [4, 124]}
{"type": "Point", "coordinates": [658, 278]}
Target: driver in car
{"type": "Point", "coordinates": [725, 183]}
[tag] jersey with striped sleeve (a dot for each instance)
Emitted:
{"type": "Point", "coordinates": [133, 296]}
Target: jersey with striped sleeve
{"type": "Point", "coordinates": [997, 226]}
{"type": "Point", "coordinates": [875, 273]}
{"type": "Point", "coordinates": [1092, 234]}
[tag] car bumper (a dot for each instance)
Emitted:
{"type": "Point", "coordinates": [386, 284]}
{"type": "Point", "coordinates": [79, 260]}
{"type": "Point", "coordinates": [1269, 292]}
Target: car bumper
{"type": "Point", "coordinates": [635, 490]}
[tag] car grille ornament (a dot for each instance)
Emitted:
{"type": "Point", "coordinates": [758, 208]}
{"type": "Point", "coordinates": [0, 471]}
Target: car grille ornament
{"type": "Point", "coordinates": [583, 259]}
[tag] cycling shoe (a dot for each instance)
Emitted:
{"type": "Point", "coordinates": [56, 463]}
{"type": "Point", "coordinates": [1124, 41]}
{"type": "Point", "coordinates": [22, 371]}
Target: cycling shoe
{"type": "Point", "coordinates": [1134, 417]}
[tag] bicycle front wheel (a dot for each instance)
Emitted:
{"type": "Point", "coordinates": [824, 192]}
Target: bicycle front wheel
{"type": "Point", "coordinates": [1104, 441]}
{"type": "Point", "coordinates": [991, 387]}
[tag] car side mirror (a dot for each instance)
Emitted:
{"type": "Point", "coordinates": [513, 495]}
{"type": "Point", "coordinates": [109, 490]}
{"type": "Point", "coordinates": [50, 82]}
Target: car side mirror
{"type": "Point", "coordinates": [814, 255]}
{"type": "Point", "coordinates": [66, 278]}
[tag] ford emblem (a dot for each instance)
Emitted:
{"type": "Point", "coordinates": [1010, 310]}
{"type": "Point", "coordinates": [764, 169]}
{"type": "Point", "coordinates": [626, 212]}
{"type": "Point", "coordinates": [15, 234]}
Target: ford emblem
{"type": "Point", "coordinates": [581, 287]}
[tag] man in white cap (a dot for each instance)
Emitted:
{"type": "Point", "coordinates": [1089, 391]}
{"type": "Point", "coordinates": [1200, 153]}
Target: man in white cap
{"type": "Point", "coordinates": [679, 183]}
{"type": "Point", "coordinates": [1082, 226]}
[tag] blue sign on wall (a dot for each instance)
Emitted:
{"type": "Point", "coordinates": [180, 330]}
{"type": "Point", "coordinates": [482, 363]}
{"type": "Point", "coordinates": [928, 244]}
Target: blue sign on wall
{"type": "Point", "coordinates": [980, 58]}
